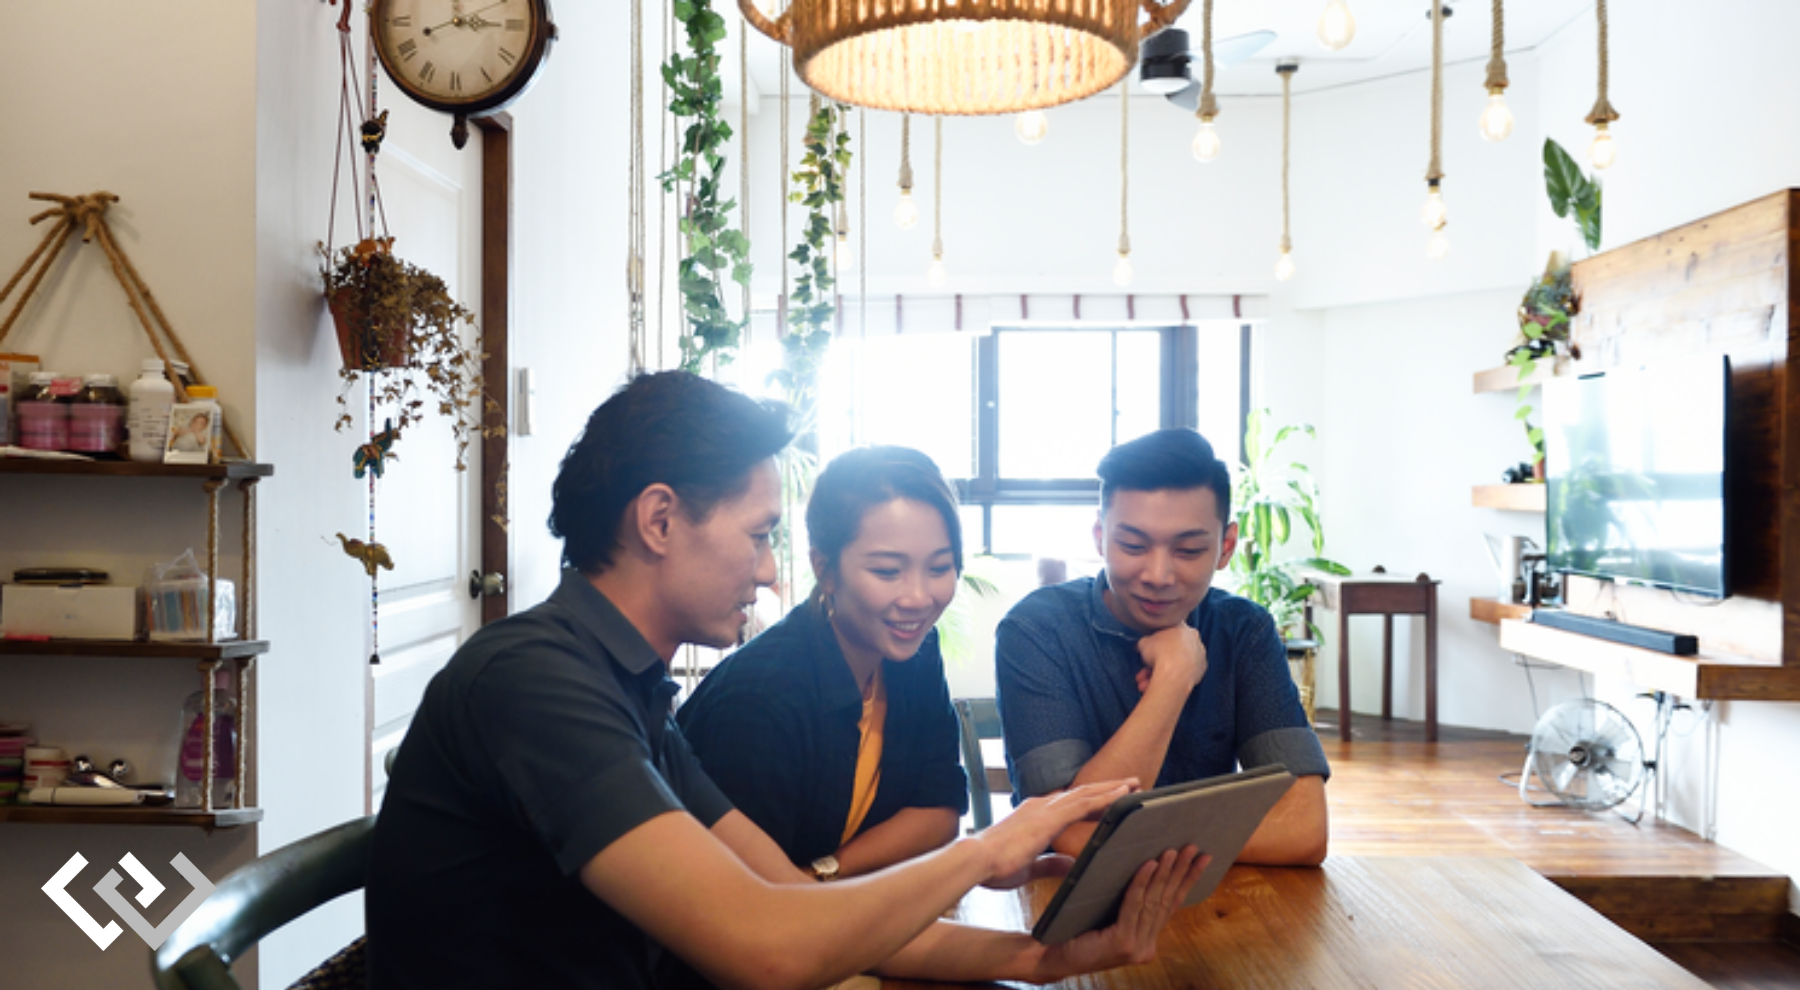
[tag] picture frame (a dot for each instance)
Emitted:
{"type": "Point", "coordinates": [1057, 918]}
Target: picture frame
{"type": "Point", "coordinates": [193, 433]}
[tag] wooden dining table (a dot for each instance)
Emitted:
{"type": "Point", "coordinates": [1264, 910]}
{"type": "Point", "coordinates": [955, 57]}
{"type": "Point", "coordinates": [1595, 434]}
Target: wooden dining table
{"type": "Point", "coordinates": [1371, 923]}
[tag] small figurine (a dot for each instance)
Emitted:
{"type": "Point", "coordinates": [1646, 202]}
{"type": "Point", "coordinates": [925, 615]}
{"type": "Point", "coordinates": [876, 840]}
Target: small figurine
{"type": "Point", "coordinates": [372, 456]}
{"type": "Point", "coordinates": [373, 130]}
{"type": "Point", "coordinates": [372, 555]}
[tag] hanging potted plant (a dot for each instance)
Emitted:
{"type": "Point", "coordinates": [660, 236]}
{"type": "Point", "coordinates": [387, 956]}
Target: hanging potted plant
{"type": "Point", "coordinates": [399, 327]}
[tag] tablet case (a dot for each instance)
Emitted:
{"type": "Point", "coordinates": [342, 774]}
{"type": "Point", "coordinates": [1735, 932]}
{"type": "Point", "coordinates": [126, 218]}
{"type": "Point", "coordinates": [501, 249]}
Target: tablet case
{"type": "Point", "coordinates": [1217, 814]}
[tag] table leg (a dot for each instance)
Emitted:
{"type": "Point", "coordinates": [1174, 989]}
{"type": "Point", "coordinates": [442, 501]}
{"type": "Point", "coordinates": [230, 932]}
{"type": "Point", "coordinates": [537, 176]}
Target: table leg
{"type": "Point", "coordinates": [1343, 673]}
{"type": "Point", "coordinates": [1387, 667]}
{"type": "Point", "coordinates": [1431, 673]}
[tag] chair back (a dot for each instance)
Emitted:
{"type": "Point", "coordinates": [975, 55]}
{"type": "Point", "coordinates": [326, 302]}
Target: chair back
{"type": "Point", "coordinates": [259, 898]}
{"type": "Point", "coordinates": [980, 719]}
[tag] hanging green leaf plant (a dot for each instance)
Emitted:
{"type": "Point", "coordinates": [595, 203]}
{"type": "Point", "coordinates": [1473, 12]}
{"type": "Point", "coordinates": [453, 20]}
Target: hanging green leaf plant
{"type": "Point", "coordinates": [820, 187]}
{"type": "Point", "coordinates": [712, 250]}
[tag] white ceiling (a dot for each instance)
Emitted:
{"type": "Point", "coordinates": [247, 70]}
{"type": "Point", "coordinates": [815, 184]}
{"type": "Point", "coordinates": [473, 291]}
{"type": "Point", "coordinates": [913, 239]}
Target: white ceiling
{"type": "Point", "coordinates": [1393, 37]}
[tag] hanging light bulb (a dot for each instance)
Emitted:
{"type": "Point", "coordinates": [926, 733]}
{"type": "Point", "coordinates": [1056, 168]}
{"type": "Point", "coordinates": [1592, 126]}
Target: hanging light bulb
{"type": "Point", "coordinates": [936, 274]}
{"type": "Point", "coordinates": [843, 252]}
{"type": "Point", "coordinates": [906, 214]}
{"type": "Point", "coordinates": [1438, 246]}
{"type": "Point", "coordinates": [1496, 119]}
{"type": "Point", "coordinates": [1336, 27]}
{"type": "Point", "coordinates": [1602, 152]}
{"type": "Point", "coordinates": [1433, 214]}
{"type": "Point", "coordinates": [1031, 126]}
{"type": "Point", "coordinates": [1206, 141]}
{"type": "Point", "coordinates": [1122, 272]}
{"type": "Point", "coordinates": [1284, 266]}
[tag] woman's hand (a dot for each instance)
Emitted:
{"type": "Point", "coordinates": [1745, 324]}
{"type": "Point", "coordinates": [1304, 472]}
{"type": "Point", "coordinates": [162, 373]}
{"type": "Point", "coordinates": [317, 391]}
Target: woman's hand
{"type": "Point", "coordinates": [1049, 865]}
{"type": "Point", "coordinates": [1155, 894]}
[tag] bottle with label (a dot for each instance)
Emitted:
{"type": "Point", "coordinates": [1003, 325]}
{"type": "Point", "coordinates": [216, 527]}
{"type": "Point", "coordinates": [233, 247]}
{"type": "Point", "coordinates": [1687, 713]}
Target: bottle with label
{"type": "Point", "coordinates": [209, 396]}
{"type": "Point", "coordinates": [44, 412]}
{"type": "Point", "coordinates": [97, 417]}
{"type": "Point", "coordinates": [148, 419]}
{"type": "Point", "coordinates": [190, 760]}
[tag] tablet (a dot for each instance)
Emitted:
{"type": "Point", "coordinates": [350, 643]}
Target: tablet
{"type": "Point", "coordinates": [1217, 814]}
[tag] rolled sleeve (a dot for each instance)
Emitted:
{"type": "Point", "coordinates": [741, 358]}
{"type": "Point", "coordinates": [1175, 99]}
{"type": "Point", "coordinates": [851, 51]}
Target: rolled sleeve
{"type": "Point", "coordinates": [1297, 749]}
{"type": "Point", "coordinates": [1050, 767]}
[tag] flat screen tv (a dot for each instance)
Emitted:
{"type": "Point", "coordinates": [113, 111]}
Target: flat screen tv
{"type": "Point", "coordinates": [1636, 467]}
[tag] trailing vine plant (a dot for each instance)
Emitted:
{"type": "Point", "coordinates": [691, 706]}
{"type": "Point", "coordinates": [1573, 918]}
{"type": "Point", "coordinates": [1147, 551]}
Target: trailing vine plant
{"type": "Point", "coordinates": [810, 304]}
{"type": "Point", "coordinates": [712, 249]}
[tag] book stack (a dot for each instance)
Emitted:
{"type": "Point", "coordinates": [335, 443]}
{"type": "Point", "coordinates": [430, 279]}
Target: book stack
{"type": "Point", "coordinates": [13, 741]}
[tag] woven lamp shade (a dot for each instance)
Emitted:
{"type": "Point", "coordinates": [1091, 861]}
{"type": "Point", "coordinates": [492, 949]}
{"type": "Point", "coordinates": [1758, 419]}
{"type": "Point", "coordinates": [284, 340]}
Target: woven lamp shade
{"type": "Point", "coordinates": [962, 56]}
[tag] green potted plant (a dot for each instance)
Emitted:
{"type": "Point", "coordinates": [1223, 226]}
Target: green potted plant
{"type": "Point", "coordinates": [398, 326]}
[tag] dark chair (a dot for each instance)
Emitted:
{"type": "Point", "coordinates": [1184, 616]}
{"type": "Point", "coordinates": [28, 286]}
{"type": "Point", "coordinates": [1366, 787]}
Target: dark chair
{"type": "Point", "coordinates": [259, 898]}
{"type": "Point", "coordinates": [980, 719]}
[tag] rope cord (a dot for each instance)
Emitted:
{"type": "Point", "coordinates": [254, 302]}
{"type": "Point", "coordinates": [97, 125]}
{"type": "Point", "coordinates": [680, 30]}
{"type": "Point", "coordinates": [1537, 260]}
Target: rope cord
{"type": "Point", "coordinates": [744, 152]}
{"type": "Point", "coordinates": [906, 176]}
{"type": "Point", "coordinates": [781, 315]}
{"type": "Point", "coordinates": [1603, 111]}
{"type": "Point", "coordinates": [1124, 167]}
{"type": "Point", "coordinates": [1435, 170]}
{"type": "Point", "coordinates": [634, 234]}
{"type": "Point", "coordinates": [1287, 87]}
{"type": "Point", "coordinates": [862, 221]}
{"type": "Point", "coordinates": [1209, 107]}
{"type": "Point", "coordinates": [937, 189]}
{"type": "Point", "coordinates": [1496, 67]}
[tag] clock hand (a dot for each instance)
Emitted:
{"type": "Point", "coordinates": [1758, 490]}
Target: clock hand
{"type": "Point", "coordinates": [472, 20]}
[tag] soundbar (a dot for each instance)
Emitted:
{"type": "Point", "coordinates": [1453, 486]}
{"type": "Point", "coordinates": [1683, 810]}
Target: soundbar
{"type": "Point", "coordinates": [1678, 644]}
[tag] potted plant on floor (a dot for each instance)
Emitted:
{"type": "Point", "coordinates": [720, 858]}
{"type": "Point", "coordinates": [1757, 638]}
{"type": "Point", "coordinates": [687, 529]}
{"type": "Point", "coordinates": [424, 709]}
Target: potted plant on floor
{"type": "Point", "coordinates": [1272, 499]}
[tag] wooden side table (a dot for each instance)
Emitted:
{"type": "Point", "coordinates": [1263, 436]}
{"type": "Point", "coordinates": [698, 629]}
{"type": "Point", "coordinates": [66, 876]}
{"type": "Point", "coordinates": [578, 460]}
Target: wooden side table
{"type": "Point", "coordinates": [1387, 596]}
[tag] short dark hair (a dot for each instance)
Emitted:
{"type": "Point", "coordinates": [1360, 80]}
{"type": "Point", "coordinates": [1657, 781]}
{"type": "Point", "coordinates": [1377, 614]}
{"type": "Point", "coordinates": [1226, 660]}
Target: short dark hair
{"type": "Point", "coordinates": [861, 479]}
{"type": "Point", "coordinates": [692, 434]}
{"type": "Point", "coordinates": [1173, 458]}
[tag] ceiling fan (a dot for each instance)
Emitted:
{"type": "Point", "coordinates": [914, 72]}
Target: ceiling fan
{"type": "Point", "coordinates": [1164, 58]}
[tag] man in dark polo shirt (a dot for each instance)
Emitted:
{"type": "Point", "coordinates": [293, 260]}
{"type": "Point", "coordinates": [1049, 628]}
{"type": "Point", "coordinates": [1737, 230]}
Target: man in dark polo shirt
{"type": "Point", "coordinates": [547, 826]}
{"type": "Point", "coordinates": [1149, 671]}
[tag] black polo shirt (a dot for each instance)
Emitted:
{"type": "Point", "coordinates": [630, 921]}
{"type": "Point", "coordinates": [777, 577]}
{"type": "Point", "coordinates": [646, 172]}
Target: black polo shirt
{"type": "Point", "coordinates": [775, 725]}
{"type": "Point", "coordinates": [546, 737]}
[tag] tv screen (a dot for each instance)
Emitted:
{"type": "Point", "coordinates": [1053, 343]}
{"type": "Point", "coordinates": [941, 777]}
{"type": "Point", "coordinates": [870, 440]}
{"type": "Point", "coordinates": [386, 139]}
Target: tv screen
{"type": "Point", "coordinates": [1635, 462]}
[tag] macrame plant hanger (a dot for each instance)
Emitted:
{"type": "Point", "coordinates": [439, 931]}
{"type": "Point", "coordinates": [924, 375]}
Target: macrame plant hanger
{"type": "Point", "coordinates": [360, 125]}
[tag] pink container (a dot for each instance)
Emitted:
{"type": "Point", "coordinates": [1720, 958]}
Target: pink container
{"type": "Point", "coordinates": [96, 429]}
{"type": "Point", "coordinates": [44, 425]}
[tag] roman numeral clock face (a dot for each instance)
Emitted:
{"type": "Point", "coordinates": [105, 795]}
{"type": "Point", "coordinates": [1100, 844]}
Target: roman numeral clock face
{"type": "Point", "coordinates": [466, 57]}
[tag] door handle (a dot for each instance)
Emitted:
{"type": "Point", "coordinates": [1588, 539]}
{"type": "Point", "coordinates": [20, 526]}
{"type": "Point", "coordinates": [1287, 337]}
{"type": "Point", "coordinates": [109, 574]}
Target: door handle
{"type": "Point", "coordinates": [486, 585]}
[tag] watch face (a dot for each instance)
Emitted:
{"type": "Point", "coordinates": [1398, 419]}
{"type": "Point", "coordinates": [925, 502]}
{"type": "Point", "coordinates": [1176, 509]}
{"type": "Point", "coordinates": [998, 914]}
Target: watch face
{"type": "Point", "coordinates": [462, 56]}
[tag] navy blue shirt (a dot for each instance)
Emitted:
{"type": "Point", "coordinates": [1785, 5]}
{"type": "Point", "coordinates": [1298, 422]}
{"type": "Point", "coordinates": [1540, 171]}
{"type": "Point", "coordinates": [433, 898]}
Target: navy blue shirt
{"type": "Point", "coordinates": [544, 739]}
{"type": "Point", "coordinates": [1067, 680]}
{"type": "Point", "coordinates": [775, 725]}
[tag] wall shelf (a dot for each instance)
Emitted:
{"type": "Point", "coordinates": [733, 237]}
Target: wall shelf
{"type": "Point", "coordinates": [232, 470]}
{"type": "Point", "coordinates": [221, 818]}
{"type": "Point", "coordinates": [1700, 677]}
{"type": "Point", "coordinates": [1493, 610]}
{"type": "Point", "coordinates": [1517, 498]}
{"type": "Point", "coordinates": [230, 650]}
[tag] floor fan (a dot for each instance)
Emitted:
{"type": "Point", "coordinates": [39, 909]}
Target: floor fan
{"type": "Point", "coordinates": [1587, 755]}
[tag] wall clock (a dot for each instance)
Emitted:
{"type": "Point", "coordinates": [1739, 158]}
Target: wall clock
{"type": "Point", "coordinates": [468, 58]}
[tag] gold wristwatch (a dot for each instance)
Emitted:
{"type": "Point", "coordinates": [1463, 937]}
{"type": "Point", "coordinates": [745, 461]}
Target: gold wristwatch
{"type": "Point", "coordinates": [825, 869]}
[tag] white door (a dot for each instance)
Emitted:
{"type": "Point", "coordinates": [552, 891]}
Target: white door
{"type": "Point", "coordinates": [427, 512]}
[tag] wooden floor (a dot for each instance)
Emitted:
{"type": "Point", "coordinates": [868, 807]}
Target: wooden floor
{"type": "Point", "coordinates": [1718, 914]}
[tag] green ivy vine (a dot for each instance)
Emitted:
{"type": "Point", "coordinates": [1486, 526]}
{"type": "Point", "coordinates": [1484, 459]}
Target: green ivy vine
{"type": "Point", "coordinates": [713, 249]}
{"type": "Point", "coordinates": [810, 307]}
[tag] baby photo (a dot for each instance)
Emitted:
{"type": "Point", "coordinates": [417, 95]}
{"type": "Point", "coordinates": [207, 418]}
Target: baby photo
{"type": "Point", "coordinates": [191, 426]}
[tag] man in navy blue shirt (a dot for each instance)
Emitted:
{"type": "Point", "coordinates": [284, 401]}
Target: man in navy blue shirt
{"type": "Point", "coordinates": [1147, 670]}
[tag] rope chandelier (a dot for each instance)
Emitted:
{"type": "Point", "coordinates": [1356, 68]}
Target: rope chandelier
{"type": "Point", "coordinates": [1497, 120]}
{"type": "Point", "coordinates": [1284, 265]}
{"type": "Point", "coordinates": [1602, 152]}
{"type": "Point", "coordinates": [1434, 215]}
{"type": "Point", "coordinates": [1206, 141]}
{"type": "Point", "coordinates": [963, 56]}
